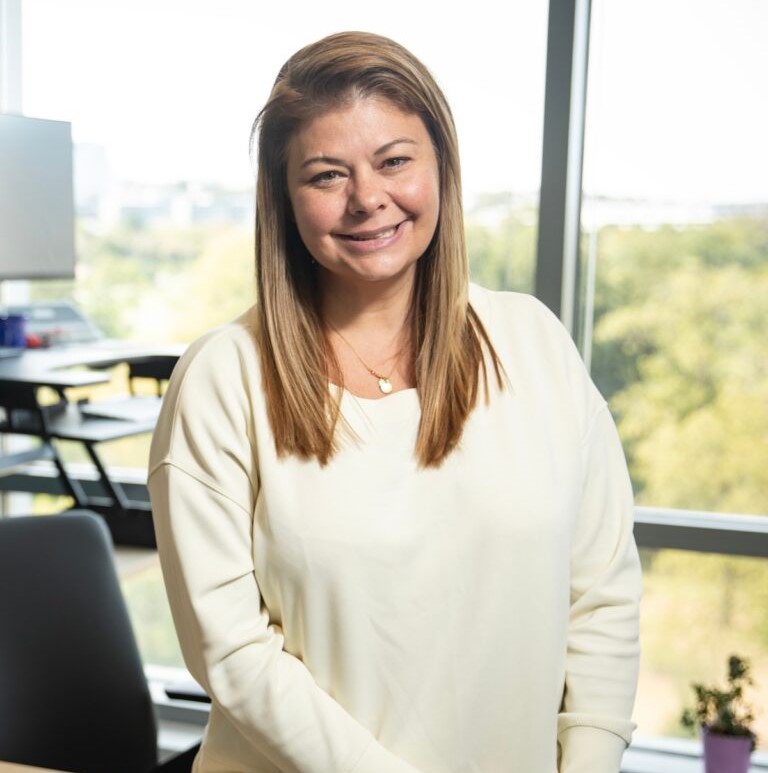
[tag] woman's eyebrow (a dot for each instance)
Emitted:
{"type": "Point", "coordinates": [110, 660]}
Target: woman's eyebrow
{"type": "Point", "coordinates": [338, 162]}
{"type": "Point", "coordinates": [398, 141]}
{"type": "Point", "coordinates": [322, 160]}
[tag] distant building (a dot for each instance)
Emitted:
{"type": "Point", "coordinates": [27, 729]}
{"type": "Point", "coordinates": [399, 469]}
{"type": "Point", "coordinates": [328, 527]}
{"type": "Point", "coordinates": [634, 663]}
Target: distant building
{"type": "Point", "coordinates": [103, 201]}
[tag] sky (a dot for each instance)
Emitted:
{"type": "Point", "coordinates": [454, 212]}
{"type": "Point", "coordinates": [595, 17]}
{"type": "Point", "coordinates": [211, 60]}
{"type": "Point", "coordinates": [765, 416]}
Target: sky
{"type": "Point", "coordinates": [675, 110]}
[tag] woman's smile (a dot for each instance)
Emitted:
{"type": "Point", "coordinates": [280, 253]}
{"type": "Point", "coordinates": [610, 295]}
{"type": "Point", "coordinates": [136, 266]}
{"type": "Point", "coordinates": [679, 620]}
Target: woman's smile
{"type": "Point", "coordinates": [372, 240]}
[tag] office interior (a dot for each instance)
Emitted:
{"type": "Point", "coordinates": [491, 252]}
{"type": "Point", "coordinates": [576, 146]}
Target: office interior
{"type": "Point", "coordinates": [614, 166]}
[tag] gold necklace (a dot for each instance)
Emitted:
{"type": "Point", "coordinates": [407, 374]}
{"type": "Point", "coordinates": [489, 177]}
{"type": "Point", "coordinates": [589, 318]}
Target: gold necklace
{"type": "Point", "coordinates": [385, 383]}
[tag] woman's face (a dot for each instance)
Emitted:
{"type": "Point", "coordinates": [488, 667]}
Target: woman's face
{"type": "Point", "coordinates": [364, 186]}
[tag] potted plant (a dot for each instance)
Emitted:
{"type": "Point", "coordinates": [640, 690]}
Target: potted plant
{"type": "Point", "coordinates": [725, 718]}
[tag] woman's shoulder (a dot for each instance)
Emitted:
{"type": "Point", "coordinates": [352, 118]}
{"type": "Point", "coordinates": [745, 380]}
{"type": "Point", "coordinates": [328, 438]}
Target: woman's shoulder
{"type": "Point", "coordinates": [210, 391]}
{"type": "Point", "coordinates": [221, 353]}
{"type": "Point", "coordinates": [517, 316]}
{"type": "Point", "coordinates": [538, 353]}
{"type": "Point", "coordinates": [207, 406]}
{"type": "Point", "coordinates": [231, 335]}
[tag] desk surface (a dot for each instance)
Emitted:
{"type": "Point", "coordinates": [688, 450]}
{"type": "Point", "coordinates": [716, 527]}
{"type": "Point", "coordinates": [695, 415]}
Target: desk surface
{"type": "Point", "coordinates": [57, 367]}
{"type": "Point", "coordinates": [12, 767]}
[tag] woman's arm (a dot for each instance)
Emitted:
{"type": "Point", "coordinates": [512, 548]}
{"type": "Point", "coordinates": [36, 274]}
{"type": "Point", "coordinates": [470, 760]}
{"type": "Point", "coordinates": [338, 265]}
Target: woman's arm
{"type": "Point", "coordinates": [203, 484]}
{"type": "Point", "coordinates": [595, 724]}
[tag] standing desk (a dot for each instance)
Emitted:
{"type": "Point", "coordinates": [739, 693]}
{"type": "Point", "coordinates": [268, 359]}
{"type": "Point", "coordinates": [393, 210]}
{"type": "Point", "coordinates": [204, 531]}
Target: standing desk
{"type": "Point", "coordinates": [57, 367]}
{"type": "Point", "coordinates": [65, 367]}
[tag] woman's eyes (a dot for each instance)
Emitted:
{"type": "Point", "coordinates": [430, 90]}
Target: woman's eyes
{"type": "Point", "coordinates": [329, 176]}
{"type": "Point", "coordinates": [325, 177]}
{"type": "Point", "coordinates": [395, 163]}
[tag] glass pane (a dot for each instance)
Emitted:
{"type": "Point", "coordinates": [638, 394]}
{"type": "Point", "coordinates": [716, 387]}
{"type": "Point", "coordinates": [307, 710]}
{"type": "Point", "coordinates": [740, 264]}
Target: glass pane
{"type": "Point", "coordinates": [675, 253]}
{"type": "Point", "coordinates": [697, 610]}
{"type": "Point", "coordinates": [142, 584]}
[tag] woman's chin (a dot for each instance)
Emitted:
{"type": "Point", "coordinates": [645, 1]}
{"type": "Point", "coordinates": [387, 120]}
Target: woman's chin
{"type": "Point", "coordinates": [371, 273]}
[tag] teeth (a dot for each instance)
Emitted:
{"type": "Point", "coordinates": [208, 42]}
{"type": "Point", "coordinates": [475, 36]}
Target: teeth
{"type": "Point", "coordinates": [379, 235]}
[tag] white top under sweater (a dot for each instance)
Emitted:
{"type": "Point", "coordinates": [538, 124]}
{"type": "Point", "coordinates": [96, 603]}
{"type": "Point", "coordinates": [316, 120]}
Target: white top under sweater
{"type": "Point", "coordinates": [374, 617]}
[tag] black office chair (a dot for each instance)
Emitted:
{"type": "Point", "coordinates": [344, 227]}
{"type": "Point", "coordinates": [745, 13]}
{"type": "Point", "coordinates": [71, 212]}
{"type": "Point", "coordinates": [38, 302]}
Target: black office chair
{"type": "Point", "coordinates": [157, 368]}
{"type": "Point", "coordinates": [73, 695]}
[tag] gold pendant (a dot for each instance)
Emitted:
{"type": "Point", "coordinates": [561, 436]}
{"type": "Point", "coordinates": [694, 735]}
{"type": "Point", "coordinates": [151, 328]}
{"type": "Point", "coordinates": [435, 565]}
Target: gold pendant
{"type": "Point", "coordinates": [385, 385]}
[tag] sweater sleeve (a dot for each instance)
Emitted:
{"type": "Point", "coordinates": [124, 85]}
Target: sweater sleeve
{"type": "Point", "coordinates": [203, 483]}
{"type": "Point", "coordinates": [594, 726]}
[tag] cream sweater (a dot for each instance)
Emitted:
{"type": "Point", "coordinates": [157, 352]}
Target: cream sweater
{"type": "Point", "coordinates": [373, 617]}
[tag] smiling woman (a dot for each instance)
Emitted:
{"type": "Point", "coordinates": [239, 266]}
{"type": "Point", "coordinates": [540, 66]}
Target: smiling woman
{"type": "Point", "coordinates": [342, 309]}
{"type": "Point", "coordinates": [386, 463]}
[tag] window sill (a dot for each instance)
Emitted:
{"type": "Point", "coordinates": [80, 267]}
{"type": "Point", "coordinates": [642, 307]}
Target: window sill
{"type": "Point", "coordinates": [180, 724]}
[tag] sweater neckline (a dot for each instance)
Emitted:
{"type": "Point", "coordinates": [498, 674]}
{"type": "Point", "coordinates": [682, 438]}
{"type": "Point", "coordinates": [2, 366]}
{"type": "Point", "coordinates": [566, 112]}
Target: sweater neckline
{"type": "Point", "coordinates": [397, 396]}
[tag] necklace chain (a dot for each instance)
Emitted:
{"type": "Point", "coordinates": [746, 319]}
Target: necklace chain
{"type": "Point", "coordinates": [385, 383]}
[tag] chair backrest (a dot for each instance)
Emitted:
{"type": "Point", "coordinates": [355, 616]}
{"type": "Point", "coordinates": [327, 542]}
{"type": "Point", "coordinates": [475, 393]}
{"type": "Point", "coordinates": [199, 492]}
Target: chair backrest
{"type": "Point", "coordinates": [19, 410]}
{"type": "Point", "coordinates": [73, 695]}
{"type": "Point", "coordinates": [157, 367]}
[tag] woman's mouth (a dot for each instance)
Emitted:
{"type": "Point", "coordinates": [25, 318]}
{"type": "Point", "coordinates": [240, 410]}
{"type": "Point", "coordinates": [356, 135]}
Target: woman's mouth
{"type": "Point", "coordinates": [368, 236]}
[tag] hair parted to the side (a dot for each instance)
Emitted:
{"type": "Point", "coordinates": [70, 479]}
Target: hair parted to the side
{"type": "Point", "coordinates": [449, 342]}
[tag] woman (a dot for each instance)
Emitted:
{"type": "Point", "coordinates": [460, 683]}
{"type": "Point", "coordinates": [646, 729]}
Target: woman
{"type": "Point", "coordinates": [392, 511]}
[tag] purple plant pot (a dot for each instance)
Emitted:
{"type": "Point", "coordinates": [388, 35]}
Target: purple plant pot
{"type": "Point", "coordinates": [726, 753]}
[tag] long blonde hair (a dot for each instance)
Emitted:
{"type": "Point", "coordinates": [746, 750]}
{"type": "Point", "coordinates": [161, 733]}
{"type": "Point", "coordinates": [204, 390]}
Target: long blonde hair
{"type": "Point", "coordinates": [448, 338]}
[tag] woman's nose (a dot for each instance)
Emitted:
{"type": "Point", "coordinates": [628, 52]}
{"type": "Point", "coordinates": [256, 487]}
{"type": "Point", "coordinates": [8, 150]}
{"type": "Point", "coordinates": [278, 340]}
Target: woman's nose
{"type": "Point", "coordinates": [366, 194]}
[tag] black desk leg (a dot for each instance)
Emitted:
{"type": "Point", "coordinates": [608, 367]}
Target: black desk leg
{"type": "Point", "coordinates": [114, 490]}
{"type": "Point", "coordinates": [73, 487]}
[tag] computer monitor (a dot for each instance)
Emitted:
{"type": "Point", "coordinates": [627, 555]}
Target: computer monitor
{"type": "Point", "coordinates": [37, 233]}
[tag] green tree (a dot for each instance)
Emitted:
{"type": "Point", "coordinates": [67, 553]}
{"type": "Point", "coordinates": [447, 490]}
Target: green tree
{"type": "Point", "coordinates": [501, 242]}
{"type": "Point", "coordinates": [217, 287]}
{"type": "Point", "coordinates": [685, 359]}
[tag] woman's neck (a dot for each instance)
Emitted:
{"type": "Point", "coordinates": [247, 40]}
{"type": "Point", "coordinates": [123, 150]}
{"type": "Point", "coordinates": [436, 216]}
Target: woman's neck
{"type": "Point", "coordinates": [367, 327]}
{"type": "Point", "coordinates": [373, 309]}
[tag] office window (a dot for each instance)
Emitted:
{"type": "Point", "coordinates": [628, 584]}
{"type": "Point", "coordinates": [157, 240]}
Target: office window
{"type": "Point", "coordinates": [142, 584]}
{"type": "Point", "coordinates": [697, 610]}
{"type": "Point", "coordinates": [161, 100]}
{"type": "Point", "coordinates": [161, 97]}
{"type": "Point", "coordinates": [674, 277]}
{"type": "Point", "coordinates": [675, 270]}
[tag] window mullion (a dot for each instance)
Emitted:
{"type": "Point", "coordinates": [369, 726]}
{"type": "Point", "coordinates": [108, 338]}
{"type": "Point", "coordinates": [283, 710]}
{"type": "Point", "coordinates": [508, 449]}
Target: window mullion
{"type": "Point", "coordinates": [562, 156]}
